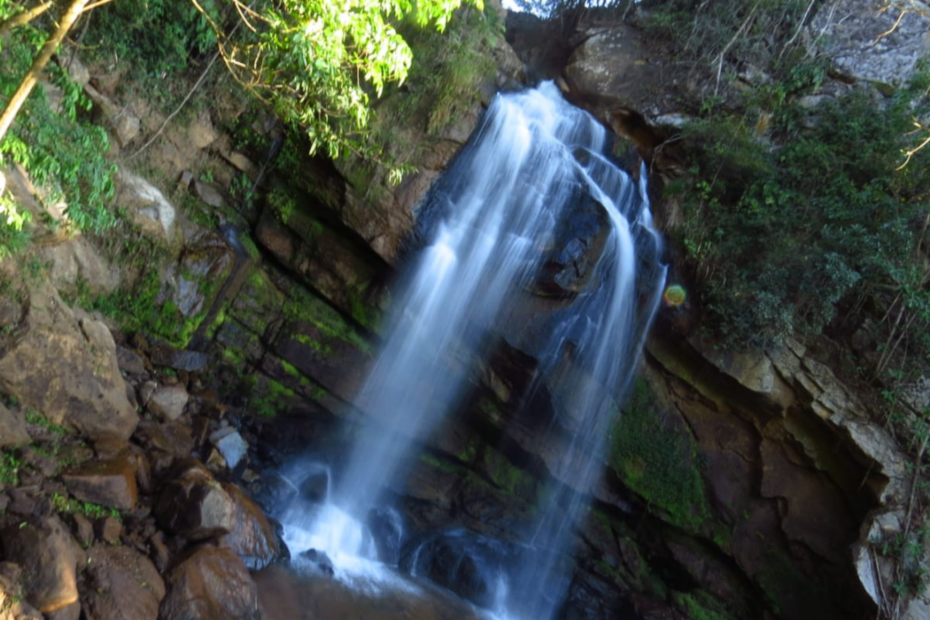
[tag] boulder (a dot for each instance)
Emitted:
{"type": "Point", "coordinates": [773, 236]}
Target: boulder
{"type": "Point", "coordinates": [198, 507]}
{"type": "Point", "coordinates": [252, 536]}
{"type": "Point", "coordinates": [148, 207]}
{"type": "Point", "coordinates": [195, 505]}
{"type": "Point", "coordinates": [67, 370]}
{"type": "Point", "coordinates": [210, 584]}
{"type": "Point", "coordinates": [168, 401]}
{"type": "Point", "coordinates": [48, 556]}
{"type": "Point", "coordinates": [122, 583]}
{"type": "Point", "coordinates": [12, 603]}
{"type": "Point", "coordinates": [76, 259]}
{"type": "Point", "coordinates": [110, 483]}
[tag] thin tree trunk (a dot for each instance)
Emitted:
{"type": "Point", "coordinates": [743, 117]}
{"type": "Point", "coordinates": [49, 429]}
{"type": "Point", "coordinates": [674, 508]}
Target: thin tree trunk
{"type": "Point", "coordinates": [32, 76]}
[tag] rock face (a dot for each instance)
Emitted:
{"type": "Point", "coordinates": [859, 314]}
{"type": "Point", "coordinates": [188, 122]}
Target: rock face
{"type": "Point", "coordinates": [12, 427]}
{"type": "Point", "coordinates": [210, 584]}
{"type": "Point", "coordinates": [67, 369]}
{"type": "Point", "coordinates": [872, 40]}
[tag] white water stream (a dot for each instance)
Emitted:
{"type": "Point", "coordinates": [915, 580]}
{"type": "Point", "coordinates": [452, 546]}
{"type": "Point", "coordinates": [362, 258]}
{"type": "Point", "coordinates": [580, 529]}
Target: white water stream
{"type": "Point", "coordinates": [509, 192]}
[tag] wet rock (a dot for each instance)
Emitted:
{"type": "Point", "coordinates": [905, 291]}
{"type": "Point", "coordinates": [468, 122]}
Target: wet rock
{"type": "Point", "coordinates": [168, 402]}
{"type": "Point", "coordinates": [12, 427]}
{"type": "Point", "coordinates": [210, 584]}
{"type": "Point", "coordinates": [252, 535]}
{"type": "Point", "coordinates": [195, 505]}
{"type": "Point", "coordinates": [48, 556]}
{"type": "Point", "coordinates": [315, 487]}
{"type": "Point", "coordinates": [121, 584]}
{"type": "Point", "coordinates": [66, 370]}
{"type": "Point", "coordinates": [110, 483]}
{"type": "Point", "coordinates": [319, 561]}
{"type": "Point", "coordinates": [231, 445]}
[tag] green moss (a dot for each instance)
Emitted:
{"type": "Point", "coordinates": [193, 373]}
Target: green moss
{"type": "Point", "coordinates": [88, 509]}
{"type": "Point", "coordinates": [659, 463]}
{"type": "Point", "coordinates": [270, 398]}
{"type": "Point", "coordinates": [290, 369]}
{"type": "Point", "coordinates": [700, 606]}
{"type": "Point", "coordinates": [9, 468]}
{"type": "Point", "coordinates": [37, 419]}
{"type": "Point", "coordinates": [310, 309]}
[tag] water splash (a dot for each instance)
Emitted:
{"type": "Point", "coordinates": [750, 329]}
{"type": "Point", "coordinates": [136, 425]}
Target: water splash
{"type": "Point", "coordinates": [487, 229]}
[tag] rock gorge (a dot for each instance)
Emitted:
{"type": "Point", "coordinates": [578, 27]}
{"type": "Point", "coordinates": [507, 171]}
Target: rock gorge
{"type": "Point", "coordinates": [737, 485]}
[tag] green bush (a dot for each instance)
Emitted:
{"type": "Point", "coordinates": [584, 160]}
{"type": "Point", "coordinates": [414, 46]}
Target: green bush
{"type": "Point", "coordinates": [779, 234]}
{"type": "Point", "coordinates": [62, 151]}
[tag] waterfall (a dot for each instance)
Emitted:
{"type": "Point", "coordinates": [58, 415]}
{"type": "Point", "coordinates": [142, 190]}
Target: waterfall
{"type": "Point", "coordinates": [488, 233]}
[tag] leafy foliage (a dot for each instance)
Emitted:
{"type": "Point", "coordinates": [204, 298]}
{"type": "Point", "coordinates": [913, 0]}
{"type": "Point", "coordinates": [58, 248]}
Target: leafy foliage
{"type": "Point", "coordinates": [63, 154]}
{"type": "Point", "coordinates": [316, 62]}
{"type": "Point", "coordinates": [779, 235]}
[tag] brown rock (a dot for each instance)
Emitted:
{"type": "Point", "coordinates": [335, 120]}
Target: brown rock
{"type": "Point", "coordinates": [48, 556]}
{"type": "Point", "coordinates": [109, 530]}
{"type": "Point", "coordinates": [158, 551]}
{"type": "Point", "coordinates": [110, 483]}
{"type": "Point", "coordinates": [67, 371]}
{"type": "Point", "coordinates": [168, 402]}
{"type": "Point", "coordinates": [171, 437]}
{"type": "Point", "coordinates": [83, 530]}
{"type": "Point", "coordinates": [68, 612]}
{"type": "Point", "coordinates": [12, 606]}
{"type": "Point", "coordinates": [195, 506]}
{"type": "Point", "coordinates": [122, 584]}
{"type": "Point", "coordinates": [210, 584]}
{"type": "Point", "coordinates": [252, 536]}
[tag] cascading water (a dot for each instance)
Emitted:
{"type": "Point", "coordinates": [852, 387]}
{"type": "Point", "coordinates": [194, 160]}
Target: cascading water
{"type": "Point", "coordinates": [488, 232]}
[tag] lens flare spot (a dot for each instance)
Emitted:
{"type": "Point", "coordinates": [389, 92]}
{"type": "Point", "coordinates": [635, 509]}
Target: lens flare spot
{"type": "Point", "coordinates": [674, 296]}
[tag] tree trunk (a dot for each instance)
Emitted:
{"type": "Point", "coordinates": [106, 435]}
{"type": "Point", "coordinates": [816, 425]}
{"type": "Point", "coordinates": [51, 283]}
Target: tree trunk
{"type": "Point", "coordinates": [32, 76]}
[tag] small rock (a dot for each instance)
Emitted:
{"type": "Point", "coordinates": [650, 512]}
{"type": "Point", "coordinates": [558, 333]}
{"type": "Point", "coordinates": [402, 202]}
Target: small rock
{"type": "Point", "coordinates": [209, 194]}
{"type": "Point", "coordinates": [319, 560]}
{"type": "Point", "coordinates": [178, 359]}
{"type": "Point", "coordinates": [145, 392]}
{"type": "Point", "coordinates": [83, 530]}
{"type": "Point", "coordinates": [48, 556]}
{"type": "Point", "coordinates": [109, 530]}
{"type": "Point", "coordinates": [215, 461]}
{"type": "Point", "coordinates": [211, 583]}
{"type": "Point", "coordinates": [168, 402]}
{"type": "Point", "coordinates": [21, 502]}
{"type": "Point", "coordinates": [231, 445]}
{"type": "Point", "coordinates": [110, 483]}
{"type": "Point", "coordinates": [129, 361]}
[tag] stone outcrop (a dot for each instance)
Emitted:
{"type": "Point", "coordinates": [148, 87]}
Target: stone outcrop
{"type": "Point", "coordinates": [210, 584]}
{"type": "Point", "coordinates": [66, 368]}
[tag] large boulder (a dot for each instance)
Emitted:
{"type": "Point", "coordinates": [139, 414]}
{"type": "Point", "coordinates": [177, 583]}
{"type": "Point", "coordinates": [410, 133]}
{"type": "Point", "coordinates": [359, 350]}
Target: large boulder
{"type": "Point", "coordinates": [198, 507]}
{"type": "Point", "coordinates": [110, 482]}
{"type": "Point", "coordinates": [121, 584]}
{"type": "Point", "coordinates": [66, 369]}
{"type": "Point", "coordinates": [210, 584]}
{"type": "Point", "coordinates": [48, 557]}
